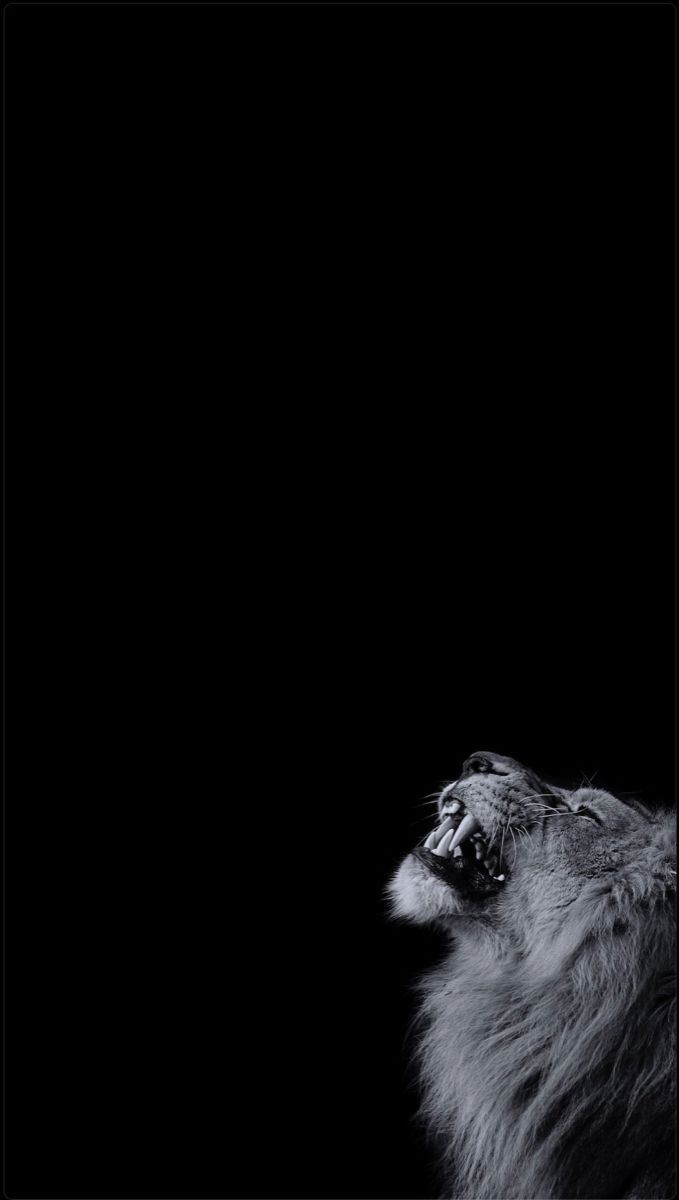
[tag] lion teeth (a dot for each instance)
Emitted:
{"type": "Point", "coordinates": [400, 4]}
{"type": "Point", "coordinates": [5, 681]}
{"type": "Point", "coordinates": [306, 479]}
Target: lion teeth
{"type": "Point", "coordinates": [444, 845]}
{"type": "Point", "coordinates": [446, 840]}
{"type": "Point", "coordinates": [467, 826]}
{"type": "Point", "coordinates": [436, 834]}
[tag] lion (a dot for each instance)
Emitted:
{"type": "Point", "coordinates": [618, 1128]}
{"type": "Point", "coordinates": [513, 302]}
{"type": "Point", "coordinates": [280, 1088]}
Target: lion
{"type": "Point", "coordinates": [546, 1036]}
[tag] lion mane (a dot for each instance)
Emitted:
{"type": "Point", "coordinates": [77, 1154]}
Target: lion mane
{"type": "Point", "coordinates": [546, 1036]}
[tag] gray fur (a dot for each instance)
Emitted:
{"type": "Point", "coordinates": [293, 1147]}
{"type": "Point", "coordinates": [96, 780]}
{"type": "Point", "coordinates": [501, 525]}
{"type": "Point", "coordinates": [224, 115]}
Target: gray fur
{"type": "Point", "coordinates": [546, 1036]}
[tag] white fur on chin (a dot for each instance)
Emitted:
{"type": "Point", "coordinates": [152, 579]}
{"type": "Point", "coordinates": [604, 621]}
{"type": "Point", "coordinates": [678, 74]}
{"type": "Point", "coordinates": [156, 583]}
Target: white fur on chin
{"type": "Point", "coordinates": [416, 895]}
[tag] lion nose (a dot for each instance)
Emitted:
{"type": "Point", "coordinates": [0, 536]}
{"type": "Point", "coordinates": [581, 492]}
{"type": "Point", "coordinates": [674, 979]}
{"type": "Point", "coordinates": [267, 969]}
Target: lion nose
{"type": "Point", "coordinates": [484, 763]}
{"type": "Point", "coordinates": [478, 764]}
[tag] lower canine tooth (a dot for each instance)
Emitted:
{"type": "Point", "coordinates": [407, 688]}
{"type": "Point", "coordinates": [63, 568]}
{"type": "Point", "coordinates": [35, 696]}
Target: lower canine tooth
{"type": "Point", "coordinates": [457, 853]}
{"type": "Point", "coordinates": [436, 834]}
{"type": "Point", "coordinates": [443, 848]}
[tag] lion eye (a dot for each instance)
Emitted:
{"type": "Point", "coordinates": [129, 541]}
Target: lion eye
{"type": "Point", "coordinates": [587, 812]}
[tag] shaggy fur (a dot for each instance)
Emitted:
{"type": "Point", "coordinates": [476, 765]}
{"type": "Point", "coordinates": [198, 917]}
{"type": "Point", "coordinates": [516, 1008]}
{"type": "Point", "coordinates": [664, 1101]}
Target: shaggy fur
{"type": "Point", "coordinates": [546, 1036]}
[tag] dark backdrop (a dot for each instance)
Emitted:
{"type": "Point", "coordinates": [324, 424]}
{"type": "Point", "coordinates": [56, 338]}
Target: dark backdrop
{"type": "Point", "coordinates": [340, 347]}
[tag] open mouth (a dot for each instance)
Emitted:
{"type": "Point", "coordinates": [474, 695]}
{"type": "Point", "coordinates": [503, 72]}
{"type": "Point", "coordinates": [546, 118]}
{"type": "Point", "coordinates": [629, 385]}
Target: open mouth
{"type": "Point", "coordinates": [459, 852]}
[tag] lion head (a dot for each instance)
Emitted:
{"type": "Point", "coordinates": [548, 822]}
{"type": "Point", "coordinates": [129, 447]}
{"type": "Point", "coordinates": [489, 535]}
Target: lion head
{"type": "Point", "coordinates": [547, 1033]}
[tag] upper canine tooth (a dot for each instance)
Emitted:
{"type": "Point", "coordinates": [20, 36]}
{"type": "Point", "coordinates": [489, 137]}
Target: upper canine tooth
{"type": "Point", "coordinates": [467, 826]}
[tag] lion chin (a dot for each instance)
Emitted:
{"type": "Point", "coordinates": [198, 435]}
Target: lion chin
{"type": "Point", "coordinates": [546, 1037]}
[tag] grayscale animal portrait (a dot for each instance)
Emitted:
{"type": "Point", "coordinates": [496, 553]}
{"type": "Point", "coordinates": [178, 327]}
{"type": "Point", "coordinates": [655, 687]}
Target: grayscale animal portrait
{"type": "Point", "coordinates": [546, 1035]}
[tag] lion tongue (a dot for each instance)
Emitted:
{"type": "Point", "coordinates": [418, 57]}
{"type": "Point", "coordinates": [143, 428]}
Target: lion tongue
{"type": "Point", "coordinates": [465, 829]}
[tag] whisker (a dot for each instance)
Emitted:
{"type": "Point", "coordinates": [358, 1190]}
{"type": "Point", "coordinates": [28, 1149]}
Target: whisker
{"type": "Point", "coordinates": [493, 834]}
{"type": "Point", "coordinates": [527, 833]}
{"type": "Point", "coordinates": [514, 841]}
{"type": "Point", "coordinates": [546, 816]}
{"type": "Point", "coordinates": [586, 776]}
{"type": "Point", "coordinates": [523, 833]}
{"type": "Point", "coordinates": [420, 821]}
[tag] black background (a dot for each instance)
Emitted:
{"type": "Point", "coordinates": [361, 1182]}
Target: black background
{"type": "Point", "coordinates": [339, 415]}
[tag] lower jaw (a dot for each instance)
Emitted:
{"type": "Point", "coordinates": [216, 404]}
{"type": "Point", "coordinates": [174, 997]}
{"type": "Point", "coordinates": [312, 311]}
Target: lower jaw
{"type": "Point", "coordinates": [460, 874]}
